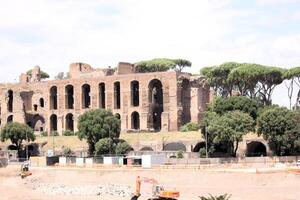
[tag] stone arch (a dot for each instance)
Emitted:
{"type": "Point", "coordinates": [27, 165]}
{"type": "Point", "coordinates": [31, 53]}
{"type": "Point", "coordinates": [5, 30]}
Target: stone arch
{"type": "Point", "coordinates": [146, 148]}
{"type": "Point", "coordinates": [86, 97]}
{"type": "Point", "coordinates": [53, 123]}
{"type": "Point", "coordinates": [10, 118]}
{"type": "Point", "coordinates": [70, 122]}
{"type": "Point", "coordinates": [69, 97]}
{"type": "Point", "coordinates": [10, 100]}
{"type": "Point", "coordinates": [199, 146]}
{"type": "Point", "coordinates": [117, 95]}
{"type": "Point", "coordinates": [102, 95]}
{"type": "Point", "coordinates": [186, 101]}
{"type": "Point", "coordinates": [53, 98]}
{"type": "Point", "coordinates": [256, 148]}
{"type": "Point", "coordinates": [38, 123]}
{"type": "Point", "coordinates": [135, 120]}
{"type": "Point", "coordinates": [156, 105]}
{"type": "Point", "coordinates": [42, 102]}
{"type": "Point", "coordinates": [135, 94]}
{"type": "Point", "coordinates": [174, 146]}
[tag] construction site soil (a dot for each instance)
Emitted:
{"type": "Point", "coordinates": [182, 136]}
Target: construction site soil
{"type": "Point", "coordinates": [118, 184]}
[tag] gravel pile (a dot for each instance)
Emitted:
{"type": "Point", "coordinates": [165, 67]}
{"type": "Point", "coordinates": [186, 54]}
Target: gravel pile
{"type": "Point", "coordinates": [88, 190]}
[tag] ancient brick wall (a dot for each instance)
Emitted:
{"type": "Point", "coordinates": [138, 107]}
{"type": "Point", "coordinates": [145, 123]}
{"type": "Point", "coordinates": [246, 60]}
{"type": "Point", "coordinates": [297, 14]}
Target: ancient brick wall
{"type": "Point", "coordinates": [143, 101]}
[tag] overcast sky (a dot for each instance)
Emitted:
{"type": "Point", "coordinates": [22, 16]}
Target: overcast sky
{"type": "Point", "coordinates": [54, 33]}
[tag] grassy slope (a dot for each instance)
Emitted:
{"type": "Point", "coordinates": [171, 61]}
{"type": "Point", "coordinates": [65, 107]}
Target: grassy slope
{"type": "Point", "coordinates": [75, 144]}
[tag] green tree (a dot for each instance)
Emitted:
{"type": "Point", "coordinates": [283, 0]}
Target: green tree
{"type": "Point", "coordinates": [122, 148]}
{"type": "Point", "coordinates": [230, 128]}
{"type": "Point", "coordinates": [17, 133]}
{"type": "Point", "coordinates": [242, 103]}
{"type": "Point", "coordinates": [280, 127]}
{"type": "Point", "coordinates": [245, 79]}
{"type": "Point", "coordinates": [44, 75]}
{"type": "Point", "coordinates": [181, 64]}
{"type": "Point", "coordinates": [104, 146]}
{"type": "Point", "coordinates": [155, 65]}
{"type": "Point", "coordinates": [98, 124]}
{"type": "Point", "coordinates": [217, 76]}
{"type": "Point", "coordinates": [292, 77]}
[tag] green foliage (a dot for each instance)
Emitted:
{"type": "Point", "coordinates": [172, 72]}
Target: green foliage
{"type": "Point", "coordinates": [180, 154]}
{"type": "Point", "coordinates": [244, 104]}
{"type": "Point", "coordinates": [202, 152]}
{"type": "Point", "coordinates": [16, 133]}
{"type": "Point", "coordinates": [104, 146]}
{"type": "Point", "coordinates": [98, 124]}
{"type": "Point", "coordinates": [181, 64]}
{"type": "Point", "coordinates": [292, 73]}
{"type": "Point", "coordinates": [122, 148]}
{"type": "Point", "coordinates": [44, 134]}
{"type": "Point", "coordinates": [191, 126]}
{"type": "Point", "coordinates": [230, 128]}
{"type": "Point", "coordinates": [211, 197]}
{"type": "Point", "coordinates": [68, 133]}
{"type": "Point", "coordinates": [54, 133]}
{"type": "Point", "coordinates": [162, 64]}
{"type": "Point", "coordinates": [280, 127]}
{"type": "Point", "coordinates": [67, 151]}
{"type": "Point", "coordinates": [44, 75]}
{"type": "Point", "coordinates": [217, 76]}
{"type": "Point", "coordinates": [251, 80]}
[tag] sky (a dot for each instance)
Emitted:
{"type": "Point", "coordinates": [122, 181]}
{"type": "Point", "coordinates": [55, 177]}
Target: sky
{"type": "Point", "coordinates": [55, 33]}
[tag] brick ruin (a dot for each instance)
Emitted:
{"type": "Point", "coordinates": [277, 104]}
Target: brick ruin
{"type": "Point", "coordinates": [158, 101]}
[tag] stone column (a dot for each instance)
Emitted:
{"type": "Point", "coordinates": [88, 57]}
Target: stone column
{"type": "Point", "coordinates": [165, 121]}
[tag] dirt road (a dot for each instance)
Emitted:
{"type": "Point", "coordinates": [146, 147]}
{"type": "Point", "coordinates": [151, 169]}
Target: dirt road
{"type": "Point", "coordinates": [77, 184]}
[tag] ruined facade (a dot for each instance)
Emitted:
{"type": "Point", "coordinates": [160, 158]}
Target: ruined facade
{"type": "Point", "coordinates": [159, 101]}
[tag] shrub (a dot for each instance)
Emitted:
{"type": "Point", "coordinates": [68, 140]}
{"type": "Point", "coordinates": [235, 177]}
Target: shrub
{"type": "Point", "coordinates": [67, 152]}
{"type": "Point", "coordinates": [191, 126]}
{"type": "Point", "coordinates": [180, 154]}
{"type": "Point", "coordinates": [202, 152]}
{"type": "Point", "coordinates": [44, 134]}
{"type": "Point", "coordinates": [221, 197]}
{"type": "Point", "coordinates": [53, 133]}
{"type": "Point", "coordinates": [104, 146]}
{"type": "Point", "coordinates": [68, 133]}
{"type": "Point", "coordinates": [122, 148]}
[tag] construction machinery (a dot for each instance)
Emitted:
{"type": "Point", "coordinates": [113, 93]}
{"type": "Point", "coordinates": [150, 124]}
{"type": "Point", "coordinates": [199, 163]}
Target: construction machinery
{"type": "Point", "coordinates": [24, 172]}
{"type": "Point", "coordinates": [158, 192]}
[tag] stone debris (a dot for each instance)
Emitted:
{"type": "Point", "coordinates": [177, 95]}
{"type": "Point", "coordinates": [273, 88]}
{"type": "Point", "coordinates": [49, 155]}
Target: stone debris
{"type": "Point", "coordinates": [78, 190]}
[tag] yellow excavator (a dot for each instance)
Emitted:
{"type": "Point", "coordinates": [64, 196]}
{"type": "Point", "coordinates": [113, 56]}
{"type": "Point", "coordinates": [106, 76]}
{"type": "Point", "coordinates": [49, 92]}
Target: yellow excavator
{"type": "Point", "coordinates": [158, 192]}
{"type": "Point", "coordinates": [24, 172]}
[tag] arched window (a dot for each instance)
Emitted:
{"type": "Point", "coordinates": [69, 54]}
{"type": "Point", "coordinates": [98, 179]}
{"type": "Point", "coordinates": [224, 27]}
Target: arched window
{"type": "Point", "coordinates": [135, 121]}
{"type": "Point", "coordinates": [35, 107]}
{"type": "Point", "coordinates": [135, 99]}
{"type": "Point", "coordinates": [156, 103]}
{"type": "Point", "coordinates": [117, 95]}
{"type": "Point", "coordinates": [53, 98]}
{"type": "Point", "coordinates": [69, 97]}
{"type": "Point", "coordinates": [42, 103]}
{"type": "Point", "coordinates": [10, 119]}
{"type": "Point", "coordinates": [10, 96]}
{"type": "Point", "coordinates": [86, 98]}
{"type": "Point", "coordinates": [186, 101]}
{"type": "Point", "coordinates": [53, 123]}
{"type": "Point", "coordinates": [69, 122]}
{"type": "Point", "coordinates": [102, 95]}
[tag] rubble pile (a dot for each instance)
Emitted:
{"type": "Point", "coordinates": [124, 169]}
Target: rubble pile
{"type": "Point", "coordinates": [79, 190]}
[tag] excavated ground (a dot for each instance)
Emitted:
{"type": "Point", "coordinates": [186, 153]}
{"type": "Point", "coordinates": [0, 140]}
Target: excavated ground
{"type": "Point", "coordinates": [92, 184]}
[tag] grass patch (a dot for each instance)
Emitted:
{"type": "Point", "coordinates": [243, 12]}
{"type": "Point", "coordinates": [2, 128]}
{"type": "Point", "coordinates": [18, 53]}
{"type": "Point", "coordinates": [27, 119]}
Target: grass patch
{"type": "Point", "coordinates": [74, 143]}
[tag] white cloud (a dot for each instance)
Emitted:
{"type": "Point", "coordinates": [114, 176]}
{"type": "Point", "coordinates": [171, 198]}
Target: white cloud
{"type": "Point", "coordinates": [275, 2]}
{"type": "Point", "coordinates": [53, 34]}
